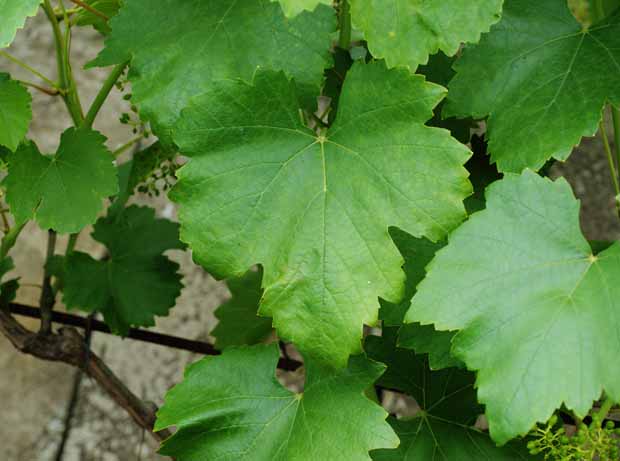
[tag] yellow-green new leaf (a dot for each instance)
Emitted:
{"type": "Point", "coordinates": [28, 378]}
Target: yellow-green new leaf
{"type": "Point", "coordinates": [260, 188]}
{"type": "Point", "coordinates": [15, 112]}
{"type": "Point", "coordinates": [541, 79]}
{"type": "Point", "coordinates": [406, 32]}
{"type": "Point", "coordinates": [65, 191]}
{"type": "Point", "coordinates": [232, 408]}
{"type": "Point", "coordinates": [14, 14]}
{"type": "Point", "coordinates": [538, 313]}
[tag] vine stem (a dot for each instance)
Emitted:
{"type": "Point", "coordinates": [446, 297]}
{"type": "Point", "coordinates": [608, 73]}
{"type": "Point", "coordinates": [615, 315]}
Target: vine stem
{"type": "Point", "coordinates": [46, 302]}
{"type": "Point", "coordinates": [103, 93]}
{"type": "Point", "coordinates": [64, 70]}
{"type": "Point", "coordinates": [30, 69]}
{"type": "Point", "coordinates": [344, 41]}
{"type": "Point", "coordinates": [612, 167]}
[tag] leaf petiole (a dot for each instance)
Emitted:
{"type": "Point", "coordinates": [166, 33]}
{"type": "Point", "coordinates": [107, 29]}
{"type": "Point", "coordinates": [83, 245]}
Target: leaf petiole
{"type": "Point", "coordinates": [30, 69]}
{"type": "Point", "coordinates": [612, 167]}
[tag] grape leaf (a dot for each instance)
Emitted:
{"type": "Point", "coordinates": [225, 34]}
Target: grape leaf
{"type": "Point", "coordinates": [541, 79]}
{"type": "Point", "coordinates": [231, 407]}
{"type": "Point", "coordinates": [260, 188]}
{"type": "Point", "coordinates": [424, 339]}
{"type": "Point", "coordinates": [443, 428]}
{"type": "Point", "coordinates": [294, 7]}
{"type": "Point", "coordinates": [439, 70]}
{"type": "Point", "coordinates": [176, 56]}
{"type": "Point", "coordinates": [239, 323]}
{"type": "Point", "coordinates": [14, 15]}
{"type": "Point", "coordinates": [85, 17]}
{"type": "Point", "coordinates": [532, 303]}
{"type": "Point", "coordinates": [15, 112]}
{"type": "Point", "coordinates": [136, 282]}
{"type": "Point", "coordinates": [406, 32]}
{"type": "Point", "coordinates": [64, 191]}
{"type": "Point", "coordinates": [418, 252]}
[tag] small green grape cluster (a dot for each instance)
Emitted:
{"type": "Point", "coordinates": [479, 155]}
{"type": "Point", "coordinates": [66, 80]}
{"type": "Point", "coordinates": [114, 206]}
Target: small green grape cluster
{"type": "Point", "coordinates": [131, 119]}
{"type": "Point", "coordinates": [593, 442]}
{"type": "Point", "coordinates": [160, 180]}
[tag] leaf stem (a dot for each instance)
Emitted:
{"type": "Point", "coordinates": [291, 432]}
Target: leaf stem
{"type": "Point", "coordinates": [344, 41]}
{"type": "Point", "coordinates": [42, 89]}
{"type": "Point", "coordinates": [612, 167]}
{"type": "Point", "coordinates": [30, 69]}
{"type": "Point", "coordinates": [87, 7]}
{"type": "Point", "coordinates": [127, 145]}
{"type": "Point", "coordinates": [603, 410]}
{"type": "Point", "coordinates": [112, 78]}
{"type": "Point", "coordinates": [71, 243]}
{"type": "Point", "coordinates": [9, 239]}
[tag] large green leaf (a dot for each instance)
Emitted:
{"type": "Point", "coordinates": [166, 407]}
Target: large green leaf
{"type": "Point", "coordinates": [179, 48]}
{"type": "Point", "coordinates": [405, 32]}
{"type": "Point", "coordinates": [238, 320]}
{"type": "Point", "coordinates": [14, 14]}
{"type": "Point", "coordinates": [64, 191]}
{"type": "Point", "coordinates": [443, 427]}
{"type": "Point", "coordinates": [232, 408]}
{"type": "Point", "coordinates": [260, 188]}
{"type": "Point", "coordinates": [541, 79]}
{"type": "Point", "coordinates": [294, 7]}
{"type": "Point", "coordinates": [136, 282]}
{"type": "Point", "coordinates": [15, 112]}
{"type": "Point", "coordinates": [539, 314]}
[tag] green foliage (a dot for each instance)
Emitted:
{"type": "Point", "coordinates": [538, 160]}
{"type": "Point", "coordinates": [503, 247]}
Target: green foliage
{"type": "Point", "coordinates": [406, 32]}
{"type": "Point", "coordinates": [14, 14]}
{"type": "Point", "coordinates": [443, 428]}
{"type": "Point", "coordinates": [135, 282]}
{"type": "Point", "coordinates": [15, 112]}
{"type": "Point", "coordinates": [65, 191]}
{"type": "Point", "coordinates": [520, 272]}
{"type": "Point", "coordinates": [319, 170]}
{"type": "Point", "coordinates": [236, 401]}
{"type": "Point", "coordinates": [108, 8]}
{"type": "Point", "coordinates": [541, 79]}
{"type": "Point", "coordinates": [315, 210]}
{"type": "Point", "coordinates": [176, 56]}
{"type": "Point", "coordinates": [238, 320]}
